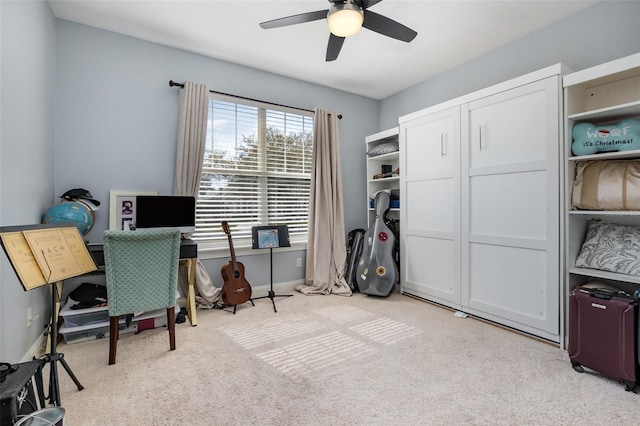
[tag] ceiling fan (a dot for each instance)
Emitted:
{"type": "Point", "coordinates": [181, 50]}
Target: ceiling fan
{"type": "Point", "coordinates": [345, 18]}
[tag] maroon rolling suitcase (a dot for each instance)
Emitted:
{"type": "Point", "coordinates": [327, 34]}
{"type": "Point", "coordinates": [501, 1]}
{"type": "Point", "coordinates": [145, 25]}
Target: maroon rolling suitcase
{"type": "Point", "coordinates": [603, 327]}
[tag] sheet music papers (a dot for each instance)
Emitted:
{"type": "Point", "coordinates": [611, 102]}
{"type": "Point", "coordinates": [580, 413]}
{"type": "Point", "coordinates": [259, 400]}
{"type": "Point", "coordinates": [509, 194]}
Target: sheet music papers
{"type": "Point", "coordinates": [42, 256]}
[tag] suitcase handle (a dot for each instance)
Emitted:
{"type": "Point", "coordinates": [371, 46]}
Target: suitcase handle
{"type": "Point", "coordinates": [599, 295]}
{"type": "Point", "coordinates": [606, 294]}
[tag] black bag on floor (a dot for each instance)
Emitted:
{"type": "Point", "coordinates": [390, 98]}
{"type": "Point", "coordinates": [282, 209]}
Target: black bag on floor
{"type": "Point", "coordinates": [354, 250]}
{"type": "Point", "coordinates": [394, 225]}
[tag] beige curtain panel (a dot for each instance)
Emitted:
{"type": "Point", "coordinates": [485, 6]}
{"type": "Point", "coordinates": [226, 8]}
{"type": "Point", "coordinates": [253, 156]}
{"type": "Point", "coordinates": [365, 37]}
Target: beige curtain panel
{"type": "Point", "coordinates": [192, 135]}
{"type": "Point", "coordinates": [326, 245]}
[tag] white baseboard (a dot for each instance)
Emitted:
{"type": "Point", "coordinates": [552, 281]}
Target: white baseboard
{"type": "Point", "coordinates": [36, 350]}
{"type": "Point", "coordinates": [278, 288]}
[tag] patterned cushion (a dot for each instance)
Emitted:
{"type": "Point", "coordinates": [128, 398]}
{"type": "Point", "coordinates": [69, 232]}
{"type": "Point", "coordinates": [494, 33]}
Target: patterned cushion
{"type": "Point", "coordinates": [141, 269]}
{"type": "Point", "coordinates": [383, 148]}
{"type": "Point", "coordinates": [611, 247]}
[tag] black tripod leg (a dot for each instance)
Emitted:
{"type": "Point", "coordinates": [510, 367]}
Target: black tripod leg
{"type": "Point", "coordinates": [54, 390]}
{"type": "Point", "coordinates": [53, 357]}
{"type": "Point", "coordinates": [70, 373]}
{"type": "Point", "coordinates": [54, 382]}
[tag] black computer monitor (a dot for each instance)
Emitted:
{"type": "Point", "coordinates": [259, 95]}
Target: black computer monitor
{"type": "Point", "coordinates": [161, 211]}
{"type": "Point", "coordinates": [270, 236]}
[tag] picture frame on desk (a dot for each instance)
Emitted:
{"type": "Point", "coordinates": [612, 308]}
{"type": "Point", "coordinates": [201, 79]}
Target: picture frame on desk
{"type": "Point", "coordinates": [122, 208]}
{"type": "Point", "coordinates": [127, 223]}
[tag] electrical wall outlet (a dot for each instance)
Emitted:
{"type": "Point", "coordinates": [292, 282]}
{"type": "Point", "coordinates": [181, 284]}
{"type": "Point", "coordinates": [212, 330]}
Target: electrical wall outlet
{"type": "Point", "coordinates": [29, 317]}
{"type": "Point", "coordinates": [299, 262]}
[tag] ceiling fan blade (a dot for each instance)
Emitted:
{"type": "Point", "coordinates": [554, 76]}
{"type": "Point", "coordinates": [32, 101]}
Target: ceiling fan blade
{"type": "Point", "coordinates": [333, 47]}
{"type": "Point", "coordinates": [366, 3]}
{"type": "Point", "coordinates": [389, 27]}
{"type": "Point", "coordinates": [295, 19]}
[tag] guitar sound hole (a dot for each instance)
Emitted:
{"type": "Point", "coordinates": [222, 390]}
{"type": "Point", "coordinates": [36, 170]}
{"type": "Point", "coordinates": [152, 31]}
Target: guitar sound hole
{"type": "Point", "coordinates": [236, 274]}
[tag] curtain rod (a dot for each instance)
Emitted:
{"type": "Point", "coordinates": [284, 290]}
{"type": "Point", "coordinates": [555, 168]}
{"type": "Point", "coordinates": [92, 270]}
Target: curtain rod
{"type": "Point", "coordinates": [181, 85]}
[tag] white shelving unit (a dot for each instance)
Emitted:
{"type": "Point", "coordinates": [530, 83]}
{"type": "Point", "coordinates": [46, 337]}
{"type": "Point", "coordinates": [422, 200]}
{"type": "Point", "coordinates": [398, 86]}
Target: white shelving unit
{"type": "Point", "coordinates": [601, 95]}
{"type": "Point", "coordinates": [374, 167]}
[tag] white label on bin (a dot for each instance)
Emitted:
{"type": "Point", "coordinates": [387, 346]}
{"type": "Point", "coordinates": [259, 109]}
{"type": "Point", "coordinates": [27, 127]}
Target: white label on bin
{"type": "Point", "coordinates": [596, 305]}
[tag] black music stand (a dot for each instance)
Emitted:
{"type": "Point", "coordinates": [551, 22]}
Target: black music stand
{"type": "Point", "coordinates": [53, 357]}
{"type": "Point", "coordinates": [270, 236]}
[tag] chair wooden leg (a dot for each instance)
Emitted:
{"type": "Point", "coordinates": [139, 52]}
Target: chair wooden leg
{"type": "Point", "coordinates": [171, 324]}
{"type": "Point", "coordinates": [113, 339]}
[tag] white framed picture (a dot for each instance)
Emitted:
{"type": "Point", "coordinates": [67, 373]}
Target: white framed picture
{"type": "Point", "coordinates": [122, 208]}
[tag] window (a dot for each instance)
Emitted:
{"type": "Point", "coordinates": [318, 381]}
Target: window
{"type": "Point", "coordinates": [256, 171]}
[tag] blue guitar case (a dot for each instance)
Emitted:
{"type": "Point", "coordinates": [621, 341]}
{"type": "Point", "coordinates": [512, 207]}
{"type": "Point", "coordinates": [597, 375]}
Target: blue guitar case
{"type": "Point", "coordinates": [377, 271]}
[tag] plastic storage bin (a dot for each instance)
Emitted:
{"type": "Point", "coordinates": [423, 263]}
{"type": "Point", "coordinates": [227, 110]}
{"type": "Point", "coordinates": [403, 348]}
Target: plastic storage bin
{"type": "Point", "coordinates": [80, 317]}
{"type": "Point", "coordinates": [82, 333]}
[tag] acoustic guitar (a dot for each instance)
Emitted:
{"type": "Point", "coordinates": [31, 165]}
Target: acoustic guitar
{"type": "Point", "coordinates": [236, 290]}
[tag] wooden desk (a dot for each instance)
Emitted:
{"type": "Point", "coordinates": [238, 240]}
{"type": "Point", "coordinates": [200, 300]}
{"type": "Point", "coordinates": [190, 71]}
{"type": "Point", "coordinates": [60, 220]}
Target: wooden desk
{"type": "Point", "coordinates": [188, 258]}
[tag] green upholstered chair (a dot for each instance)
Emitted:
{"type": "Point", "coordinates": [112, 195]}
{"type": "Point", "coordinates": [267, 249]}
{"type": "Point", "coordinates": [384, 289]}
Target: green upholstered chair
{"type": "Point", "coordinates": [141, 269]}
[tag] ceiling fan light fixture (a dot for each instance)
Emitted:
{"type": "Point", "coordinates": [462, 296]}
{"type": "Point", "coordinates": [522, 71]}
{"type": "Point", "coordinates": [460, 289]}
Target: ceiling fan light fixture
{"type": "Point", "coordinates": [345, 19]}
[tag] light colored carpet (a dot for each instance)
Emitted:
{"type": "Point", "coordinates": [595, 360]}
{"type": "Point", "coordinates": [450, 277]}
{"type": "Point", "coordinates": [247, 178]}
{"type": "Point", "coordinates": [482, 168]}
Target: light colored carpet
{"type": "Point", "coordinates": [332, 360]}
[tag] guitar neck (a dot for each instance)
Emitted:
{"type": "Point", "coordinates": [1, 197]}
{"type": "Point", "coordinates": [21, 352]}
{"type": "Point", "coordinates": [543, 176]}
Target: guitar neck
{"type": "Point", "coordinates": [233, 254]}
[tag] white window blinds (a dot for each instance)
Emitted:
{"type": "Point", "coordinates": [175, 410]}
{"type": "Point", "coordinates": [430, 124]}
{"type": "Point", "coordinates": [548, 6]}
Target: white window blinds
{"type": "Point", "coordinates": [256, 171]}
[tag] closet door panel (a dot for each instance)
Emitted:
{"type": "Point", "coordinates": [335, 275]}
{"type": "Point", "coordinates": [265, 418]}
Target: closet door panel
{"type": "Point", "coordinates": [509, 127]}
{"type": "Point", "coordinates": [432, 146]}
{"type": "Point", "coordinates": [430, 193]}
{"type": "Point", "coordinates": [431, 267]}
{"type": "Point", "coordinates": [510, 283]}
{"type": "Point", "coordinates": [429, 205]}
{"type": "Point", "coordinates": [509, 205]}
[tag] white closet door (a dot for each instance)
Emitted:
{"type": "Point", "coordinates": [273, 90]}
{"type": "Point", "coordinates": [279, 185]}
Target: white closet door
{"type": "Point", "coordinates": [430, 182]}
{"type": "Point", "coordinates": [510, 219]}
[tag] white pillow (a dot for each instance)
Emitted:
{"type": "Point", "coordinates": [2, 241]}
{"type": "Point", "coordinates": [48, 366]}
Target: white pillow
{"type": "Point", "coordinates": [611, 247]}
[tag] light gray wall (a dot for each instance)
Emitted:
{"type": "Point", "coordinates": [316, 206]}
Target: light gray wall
{"type": "Point", "coordinates": [606, 31]}
{"type": "Point", "coordinates": [115, 118]}
{"type": "Point", "coordinates": [27, 117]}
{"type": "Point", "coordinates": [117, 121]}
